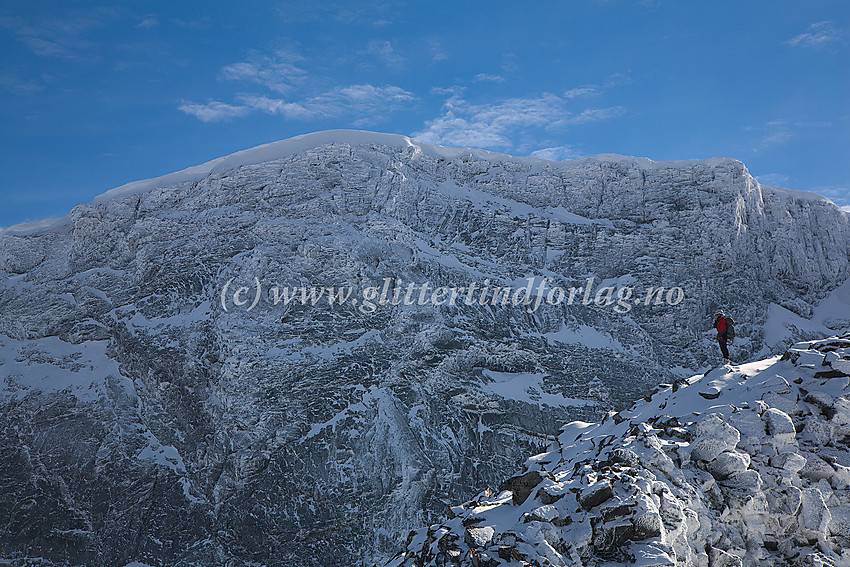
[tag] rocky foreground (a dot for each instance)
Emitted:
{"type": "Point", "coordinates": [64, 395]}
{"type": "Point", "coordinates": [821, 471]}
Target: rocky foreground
{"type": "Point", "coordinates": [746, 465]}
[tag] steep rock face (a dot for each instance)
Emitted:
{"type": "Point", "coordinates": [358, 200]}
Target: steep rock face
{"type": "Point", "coordinates": [148, 423]}
{"type": "Point", "coordinates": [758, 476]}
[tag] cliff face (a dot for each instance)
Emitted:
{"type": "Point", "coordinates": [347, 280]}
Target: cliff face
{"type": "Point", "coordinates": [142, 421]}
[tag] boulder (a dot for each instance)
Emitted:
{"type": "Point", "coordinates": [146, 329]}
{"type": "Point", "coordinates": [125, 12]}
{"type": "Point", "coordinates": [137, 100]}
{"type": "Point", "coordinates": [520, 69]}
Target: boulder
{"type": "Point", "coordinates": [647, 525]}
{"type": "Point", "coordinates": [521, 486]}
{"type": "Point", "coordinates": [814, 516]}
{"type": "Point", "coordinates": [839, 524]}
{"type": "Point", "coordinates": [479, 537]}
{"type": "Point", "coordinates": [712, 437]}
{"type": "Point", "coordinates": [816, 468]}
{"type": "Point", "coordinates": [727, 463]}
{"type": "Point", "coordinates": [747, 481]}
{"type": "Point", "coordinates": [608, 536]}
{"type": "Point", "coordinates": [720, 558]}
{"type": "Point", "coordinates": [824, 402]}
{"type": "Point", "coordinates": [788, 461]}
{"type": "Point", "coordinates": [779, 426]}
{"type": "Point", "coordinates": [595, 494]}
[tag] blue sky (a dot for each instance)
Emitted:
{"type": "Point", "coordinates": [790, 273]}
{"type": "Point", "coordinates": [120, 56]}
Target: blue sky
{"type": "Point", "coordinates": [95, 95]}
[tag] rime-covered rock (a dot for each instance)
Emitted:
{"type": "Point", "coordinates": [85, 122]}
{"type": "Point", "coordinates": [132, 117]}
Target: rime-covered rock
{"type": "Point", "coordinates": [779, 426]}
{"type": "Point", "coordinates": [713, 436]}
{"type": "Point", "coordinates": [727, 463]}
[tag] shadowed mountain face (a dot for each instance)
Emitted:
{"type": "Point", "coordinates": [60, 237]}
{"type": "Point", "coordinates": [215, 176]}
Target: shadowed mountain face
{"type": "Point", "coordinates": [142, 421]}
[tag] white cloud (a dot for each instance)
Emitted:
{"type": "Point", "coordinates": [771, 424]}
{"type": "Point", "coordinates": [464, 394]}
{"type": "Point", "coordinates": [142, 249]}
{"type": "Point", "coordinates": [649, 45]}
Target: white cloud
{"type": "Point", "coordinates": [772, 178]}
{"type": "Point", "coordinates": [515, 112]}
{"type": "Point", "coordinates": [510, 62]}
{"type": "Point", "coordinates": [487, 125]}
{"type": "Point", "coordinates": [50, 35]}
{"type": "Point", "coordinates": [838, 193]}
{"type": "Point", "coordinates": [581, 91]}
{"type": "Point", "coordinates": [489, 77]}
{"type": "Point", "coordinates": [274, 106]}
{"type": "Point", "coordinates": [494, 125]}
{"type": "Point", "coordinates": [294, 94]}
{"type": "Point", "coordinates": [363, 12]}
{"type": "Point", "coordinates": [213, 111]}
{"type": "Point", "coordinates": [452, 130]}
{"type": "Point", "coordinates": [20, 86]}
{"type": "Point", "coordinates": [618, 79]}
{"type": "Point", "coordinates": [774, 137]}
{"type": "Point", "coordinates": [771, 134]}
{"type": "Point", "coordinates": [435, 48]}
{"type": "Point", "coordinates": [369, 94]}
{"type": "Point", "coordinates": [148, 22]}
{"type": "Point", "coordinates": [365, 101]}
{"type": "Point", "coordinates": [384, 51]}
{"type": "Point", "coordinates": [358, 99]}
{"type": "Point", "coordinates": [452, 90]}
{"type": "Point", "coordinates": [590, 115]}
{"type": "Point", "coordinates": [820, 34]}
{"type": "Point", "coordinates": [556, 153]}
{"type": "Point", "coordinates": [779, 131]}
{"type": "Point", "coordinates": [278, 73]}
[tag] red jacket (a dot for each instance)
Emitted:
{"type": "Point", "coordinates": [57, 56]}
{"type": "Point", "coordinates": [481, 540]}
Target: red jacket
{"type": "Point", "coordinates": [721, 329]}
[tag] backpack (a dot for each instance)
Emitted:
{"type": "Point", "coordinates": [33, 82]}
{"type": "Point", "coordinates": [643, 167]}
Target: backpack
{"type": "Point", "coordinates": [730, 328]}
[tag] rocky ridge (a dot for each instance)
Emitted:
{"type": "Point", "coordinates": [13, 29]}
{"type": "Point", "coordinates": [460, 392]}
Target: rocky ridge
{"type": "Point", "coordinates": [746, 465]}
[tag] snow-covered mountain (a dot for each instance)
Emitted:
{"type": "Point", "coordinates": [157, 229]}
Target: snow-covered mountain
{"type": "Point", "coordinates": [143, 421]}
{"type": "Point", "coordinates": [746, 465]}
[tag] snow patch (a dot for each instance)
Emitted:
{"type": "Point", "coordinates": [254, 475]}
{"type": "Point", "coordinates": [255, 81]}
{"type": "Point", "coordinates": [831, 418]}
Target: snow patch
{"type": "Point", "coordinates": [527, 387]}
{"type": "Point", "coordinates": [52, 365]}
{"type": "Point", "coordinates": [584, 335]}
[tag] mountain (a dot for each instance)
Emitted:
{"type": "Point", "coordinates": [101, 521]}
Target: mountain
{"type": "Point", "coordinates": [149, 416]}
{"type": "Point", "coordinates": [746, 465]}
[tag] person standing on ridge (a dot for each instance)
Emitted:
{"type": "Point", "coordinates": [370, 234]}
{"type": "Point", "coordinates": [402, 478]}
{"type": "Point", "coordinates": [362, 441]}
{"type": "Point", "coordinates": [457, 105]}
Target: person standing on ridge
{"type": "Point", "coordinates": [722, 334]}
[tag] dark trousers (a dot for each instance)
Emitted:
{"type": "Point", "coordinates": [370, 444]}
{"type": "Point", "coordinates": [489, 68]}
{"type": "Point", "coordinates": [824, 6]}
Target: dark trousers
{"type": "Point", "coordinates": [723, 348]}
